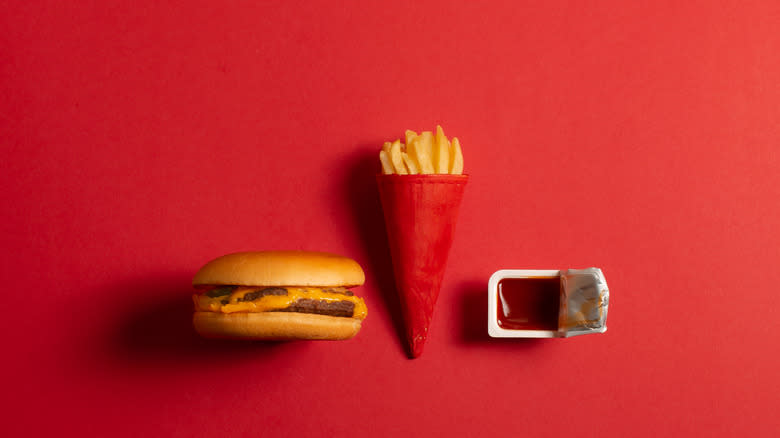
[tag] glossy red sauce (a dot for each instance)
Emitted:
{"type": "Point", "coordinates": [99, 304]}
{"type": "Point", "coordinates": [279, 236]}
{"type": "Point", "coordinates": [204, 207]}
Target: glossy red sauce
{"type": "Point", "coordinates": [529, 303]}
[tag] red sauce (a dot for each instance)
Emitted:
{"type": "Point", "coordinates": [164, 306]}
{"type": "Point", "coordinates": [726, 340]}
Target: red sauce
{"type": "Point", "coordinates": [529, 303]}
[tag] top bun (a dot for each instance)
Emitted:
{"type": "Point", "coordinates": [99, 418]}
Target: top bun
{"type": "Point", "coordinates": [281, 268]}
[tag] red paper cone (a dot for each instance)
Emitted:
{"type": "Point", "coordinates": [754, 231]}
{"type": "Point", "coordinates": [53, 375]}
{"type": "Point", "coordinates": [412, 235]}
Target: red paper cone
{"type": "Point", "coordinates": [420, 216]}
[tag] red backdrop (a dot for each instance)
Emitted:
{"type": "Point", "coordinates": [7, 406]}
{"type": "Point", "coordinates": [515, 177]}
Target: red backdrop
{"type": "Point", "coordinates": [141, 139]}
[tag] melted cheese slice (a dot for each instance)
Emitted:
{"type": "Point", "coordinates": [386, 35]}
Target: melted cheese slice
{"type": "Point", "coordinates": [232, 303]}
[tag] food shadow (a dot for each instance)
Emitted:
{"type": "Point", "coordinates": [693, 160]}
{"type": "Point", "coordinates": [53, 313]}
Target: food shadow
{"type": "Point", "coordinates": [158, 331]}
{"type": "Point", "coordinates": [363, 200]}
{"type": "Point", "coordinates": [473, 301]}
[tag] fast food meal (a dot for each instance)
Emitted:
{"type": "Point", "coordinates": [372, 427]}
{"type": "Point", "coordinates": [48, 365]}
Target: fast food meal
{"type": "Point", "coordinates": [421, 187]}
{"type": "Point", "coordinates": [423, 154]}
{"type": "Point", "coordinates": [278, 295]}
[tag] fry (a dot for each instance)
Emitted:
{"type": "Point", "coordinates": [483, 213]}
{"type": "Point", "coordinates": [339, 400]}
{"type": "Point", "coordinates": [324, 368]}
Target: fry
{"type": "Point", "coordinates": [424, 150]}
{"type": "Point", "coordinates": [410, 164]}
{"type": "Point", "coordinates": [441, 152]}
{"type": "Point", "coordinates": [457, 157]}
{"type": "Point", "coordinates": [411, 151]}
{"type": "Point", "coordinates": [409, 136]}
{"type": "Point", "coordinates": [387, 166]}
{"type": "Point", "coordinates": [395, 157]}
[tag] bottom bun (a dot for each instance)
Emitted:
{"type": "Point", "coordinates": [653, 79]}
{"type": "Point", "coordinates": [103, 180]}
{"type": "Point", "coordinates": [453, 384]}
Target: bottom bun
{"type": "Point", "coordinates": [274, 326]}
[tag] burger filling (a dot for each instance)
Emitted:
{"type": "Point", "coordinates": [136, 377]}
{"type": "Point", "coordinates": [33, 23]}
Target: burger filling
{"type": "Point", "coordinates": [334, 301]}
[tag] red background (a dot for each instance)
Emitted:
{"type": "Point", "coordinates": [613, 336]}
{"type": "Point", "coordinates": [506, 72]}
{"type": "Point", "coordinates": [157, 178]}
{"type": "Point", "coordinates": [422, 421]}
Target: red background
{"type": "Point", "coordinates": [141, 139]}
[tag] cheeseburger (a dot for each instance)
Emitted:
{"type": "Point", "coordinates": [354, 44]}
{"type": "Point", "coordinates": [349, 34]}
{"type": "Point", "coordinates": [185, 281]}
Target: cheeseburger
{"type": "Point", "coordinates": [278, 295]}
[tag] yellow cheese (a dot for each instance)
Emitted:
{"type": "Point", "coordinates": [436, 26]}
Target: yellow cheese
{"type": "Point", "coordinates": [269, 303]}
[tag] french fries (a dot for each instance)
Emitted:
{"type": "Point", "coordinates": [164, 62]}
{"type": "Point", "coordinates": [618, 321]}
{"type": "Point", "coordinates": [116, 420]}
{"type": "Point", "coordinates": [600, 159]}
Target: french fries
{"type": "Point", "coordinates": [426, 153]}
{"type": "Point", "coordinates": [410, 164]}
{"type": "Point", "coordinates": [441, 152]}
{"type": "Point", "coordinates": [424, 150]}
{"type": "Point", "coordinates": [395, 157]}
{"type": "Point", "coordinates": [456, 165]}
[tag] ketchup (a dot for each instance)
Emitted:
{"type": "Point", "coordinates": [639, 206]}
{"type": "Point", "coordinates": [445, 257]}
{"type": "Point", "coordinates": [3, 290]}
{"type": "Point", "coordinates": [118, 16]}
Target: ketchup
{"type": "Point", "coordinates": [529, 303]}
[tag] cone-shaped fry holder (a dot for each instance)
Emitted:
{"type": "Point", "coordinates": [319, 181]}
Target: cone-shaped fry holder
{"type": "Point", "coordinates": [420, 216]}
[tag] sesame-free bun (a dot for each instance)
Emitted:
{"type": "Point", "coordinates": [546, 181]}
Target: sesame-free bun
{"type": "Point", "coordinates": [274, 326]}
{"type": "Point", "coordinates": [273, 269]}
{"type": "Point", "coordinates": [281, 268]}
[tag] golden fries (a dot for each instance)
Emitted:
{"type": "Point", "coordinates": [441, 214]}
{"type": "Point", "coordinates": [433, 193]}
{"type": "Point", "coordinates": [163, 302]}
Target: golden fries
{"type": "Point", "coordinates": [409, 136]}
{"type": "Point", "coordinates": [424, 150]}
{"type": "Point", "coordinates": [410, 164]}
{"type": "Point", "coordinates": [395, 157]}
{"type": "Point", "coordinates": [426, 153]}
{"type": "Point", "coordinates": [456, 167]}
{"type": "Point", "coordinates": [387, 166]}
{"type": "Point", "coordinates": [441, 152]}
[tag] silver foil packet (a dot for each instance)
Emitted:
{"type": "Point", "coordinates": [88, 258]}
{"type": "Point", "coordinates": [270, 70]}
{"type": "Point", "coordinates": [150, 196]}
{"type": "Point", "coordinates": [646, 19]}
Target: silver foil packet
{"type": "Point", "coordinates": [584, 302]}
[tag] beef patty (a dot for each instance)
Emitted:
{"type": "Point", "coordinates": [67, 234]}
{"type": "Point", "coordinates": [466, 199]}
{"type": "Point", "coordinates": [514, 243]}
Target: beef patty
{"type": "Point", "coordinates": [321, 307]}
